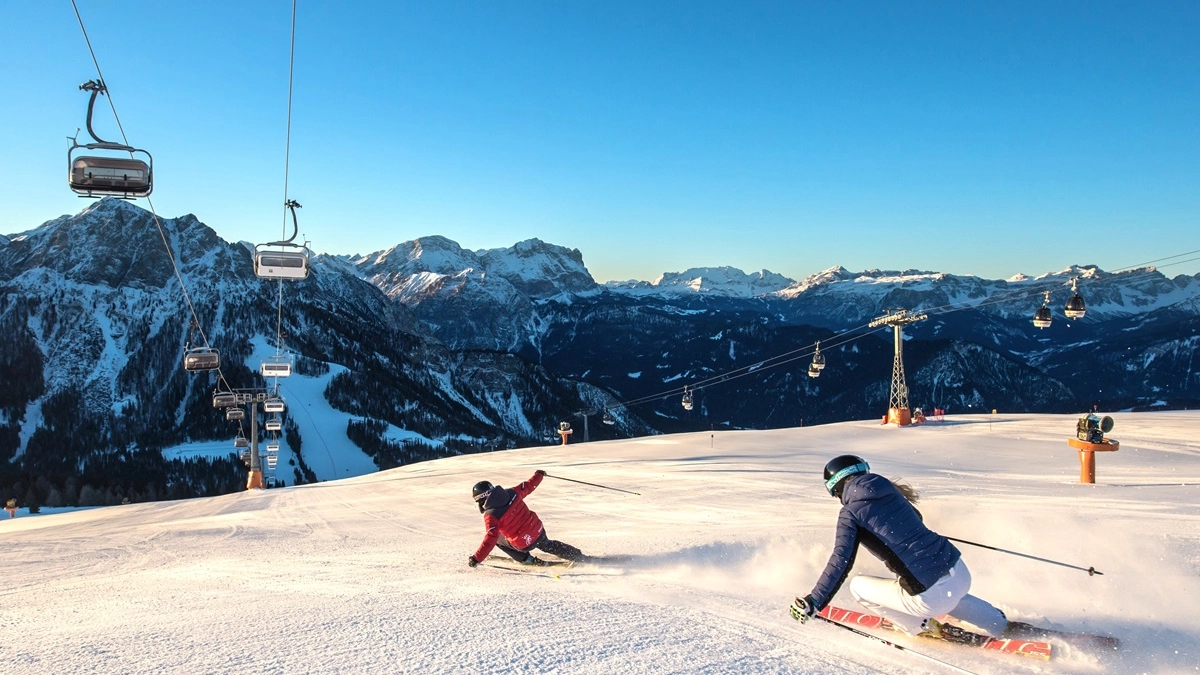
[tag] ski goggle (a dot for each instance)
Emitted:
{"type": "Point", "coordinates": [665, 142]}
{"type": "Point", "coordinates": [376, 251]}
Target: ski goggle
{"type": "Point", "coordinates": [836, 478]}
{"type": "Point", "coordinates": [483, 495]}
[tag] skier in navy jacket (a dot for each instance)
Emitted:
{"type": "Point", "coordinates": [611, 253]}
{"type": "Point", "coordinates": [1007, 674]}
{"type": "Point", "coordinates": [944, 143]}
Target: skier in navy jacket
{"type": "Point", "coordinates": [931, 578]}
{"type": "Point", "coordinates": [513, 527]}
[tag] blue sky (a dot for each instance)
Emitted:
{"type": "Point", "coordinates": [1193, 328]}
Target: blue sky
{"type": "Point", "coordinates": [984, 138]}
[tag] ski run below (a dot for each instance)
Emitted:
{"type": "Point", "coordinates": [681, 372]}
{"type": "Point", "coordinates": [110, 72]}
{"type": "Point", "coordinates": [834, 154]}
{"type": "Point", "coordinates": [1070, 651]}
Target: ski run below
{"type": "Point", "coordinates": [369, 574]}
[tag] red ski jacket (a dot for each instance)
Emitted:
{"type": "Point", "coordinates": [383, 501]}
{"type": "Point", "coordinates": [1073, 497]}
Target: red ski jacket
{"type": "Point", "coordinates": [505, 514]}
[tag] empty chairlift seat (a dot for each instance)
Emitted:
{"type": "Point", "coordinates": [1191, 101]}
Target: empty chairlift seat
{"type": "Point", "coordinates": [201, 358]}
{"type": "Point", "coordinates": [125, 176]}
{"type": "Point", "coordinates": [274, 405]}
{"type": "Point", "coordinates": [281, 264]}
{"type": "Point", "coordinates": [224, 399]}
{"type": "Point", "coordinates": [235, 414]}
{"type": "Point", "coordinates": [111, 176]}
{"type": "Point", "coordinates": [274, 424]}
{"type": "Point", "coordinates": [276, 366]}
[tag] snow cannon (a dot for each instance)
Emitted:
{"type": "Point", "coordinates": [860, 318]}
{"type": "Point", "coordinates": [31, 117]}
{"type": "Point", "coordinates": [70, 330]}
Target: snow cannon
{"type": "Point", "coordinates": [1089, 439]}
{"type": "Point", "coordinates": [564, 430]}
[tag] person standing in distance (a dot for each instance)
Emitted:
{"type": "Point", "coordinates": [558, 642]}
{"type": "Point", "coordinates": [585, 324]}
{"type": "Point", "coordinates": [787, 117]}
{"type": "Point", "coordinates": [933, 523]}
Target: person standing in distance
{"type": "Point", "coordinates": [931, 578]}
{"type": "Point", "coordinates": [512, 527]}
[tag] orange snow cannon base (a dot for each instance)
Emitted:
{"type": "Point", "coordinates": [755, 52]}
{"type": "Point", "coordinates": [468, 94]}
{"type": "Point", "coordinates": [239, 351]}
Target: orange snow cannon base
{"type": "Point", "coordinates": [1087, 456]}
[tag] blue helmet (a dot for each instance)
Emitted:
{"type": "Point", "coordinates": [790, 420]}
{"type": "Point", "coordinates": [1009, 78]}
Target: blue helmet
{"type": "Point", "coordinates": [840, 468]}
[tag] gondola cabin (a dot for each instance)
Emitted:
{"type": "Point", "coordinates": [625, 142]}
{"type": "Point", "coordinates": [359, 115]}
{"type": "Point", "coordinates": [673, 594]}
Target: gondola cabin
{"type": "Point", "coordinates": [235, 414]}
{"type": "Point", "coordinates": [224, 399]}
{"type": "Point", "coordinates": [281, 265]}
{"type": "Point", "coordinates": [276, 366]}
{"type": "Point", "coordinates": [813, 370]}
{"type": "Point", "coordinates": [1075, 308]}
{"type": "Point", "coordinates": [1042, 318]}
{"type": "Point", "coordinates": [201, 359]}
{"type": "Point", "coordinates": [274, 405]}
{"type": "Point", "coordinates": [111, 177]}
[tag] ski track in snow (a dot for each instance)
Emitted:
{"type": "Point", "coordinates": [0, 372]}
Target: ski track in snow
{"type": "Point", "coordinates": [368, 574]}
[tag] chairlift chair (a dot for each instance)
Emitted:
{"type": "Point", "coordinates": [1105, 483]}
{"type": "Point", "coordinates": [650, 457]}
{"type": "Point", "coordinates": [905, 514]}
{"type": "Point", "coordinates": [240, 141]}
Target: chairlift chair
{"type": "Point", "coordinates": [101, 176]}
{"type": "Point", "coordinates": [1075, 308]}
{"type": "Point", "coordinates": [272, 448]}
{"type": "Point", "coordinates": [201, 359]}
{"type": "Point", "coordinates": [277, 366]}
{"type": "Point", "coordinates": [280, 264]}
{"type": "Point", "coordinates": [235, 414]}
{"type": "Point", "coordinates": [224, 399]}
{"type": "Point", "coordinates": [274, 405]}
{"type": "Point", "coordinates": [241, 442]}
{"type": "Point", "coordinates": [272, 461]}
{"type": "Point", "coordinates": [273, 423]}
{"type": "Point", "coordinates": [1042, 317]}
{"type": "Point", "coordinates": [290, 261]}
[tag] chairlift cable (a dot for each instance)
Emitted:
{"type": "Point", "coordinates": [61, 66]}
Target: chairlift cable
{"type": "Point", "coordinates": [157, 221]}
{"type": "Point", "coordinates": [100, 74]}
{"type": "Point", "coordinates": [287, 163]}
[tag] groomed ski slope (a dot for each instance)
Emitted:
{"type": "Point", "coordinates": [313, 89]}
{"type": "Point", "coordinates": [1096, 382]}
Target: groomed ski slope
{"type": "Point", "coordinates": [369, 574]}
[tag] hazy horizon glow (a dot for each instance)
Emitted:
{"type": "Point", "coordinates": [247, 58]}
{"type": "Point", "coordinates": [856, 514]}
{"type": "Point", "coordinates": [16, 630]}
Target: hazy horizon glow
{"type": "Point", "coordinates": [791, 137]}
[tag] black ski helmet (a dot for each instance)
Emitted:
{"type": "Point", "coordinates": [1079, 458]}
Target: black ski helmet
{"type": "Point", "coordinates": [840, 468]}
{"type": "Point", "coordinates": [480, 492]}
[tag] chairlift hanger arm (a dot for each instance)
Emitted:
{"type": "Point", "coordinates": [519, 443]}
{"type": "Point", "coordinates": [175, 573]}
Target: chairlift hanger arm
{"type": "Point", "coordinates": [290, 205]}
{"type": "Point", "coordinates": [97, 87]}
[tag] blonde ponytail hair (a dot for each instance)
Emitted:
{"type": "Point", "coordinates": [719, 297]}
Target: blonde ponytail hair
{"type": "Point", "coordinates": [909, 492]}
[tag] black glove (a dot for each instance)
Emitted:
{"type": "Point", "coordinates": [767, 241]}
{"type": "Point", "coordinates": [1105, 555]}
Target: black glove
{"type": "Point", "coordinates": [539, 472]}
{"type": "Point", "coordinates": [471, 561]}
{"type": "Point", "coordinates": [803, 609]}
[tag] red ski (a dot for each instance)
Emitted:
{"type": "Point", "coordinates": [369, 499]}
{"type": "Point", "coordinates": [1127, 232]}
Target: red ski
{"type": "Point", "coordinates": [1030, 648]}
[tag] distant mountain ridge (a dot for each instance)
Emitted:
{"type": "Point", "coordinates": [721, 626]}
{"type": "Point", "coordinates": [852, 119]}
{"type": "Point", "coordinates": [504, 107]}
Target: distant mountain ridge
{"type": "Point", "coordinates": [492, 348]}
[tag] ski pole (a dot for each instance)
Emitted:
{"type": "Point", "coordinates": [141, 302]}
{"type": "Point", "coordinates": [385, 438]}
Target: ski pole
{"type": "Point", "coordinates": [572, 480]}
{"type": "Point", "coordinates": [893, 644]}
{"type": "Point", "coordinates": [1090, 570]}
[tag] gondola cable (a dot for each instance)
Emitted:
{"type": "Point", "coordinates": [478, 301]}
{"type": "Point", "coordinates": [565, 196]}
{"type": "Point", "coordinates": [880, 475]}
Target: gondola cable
{"type": "Point", "coordinates": [848, 335]}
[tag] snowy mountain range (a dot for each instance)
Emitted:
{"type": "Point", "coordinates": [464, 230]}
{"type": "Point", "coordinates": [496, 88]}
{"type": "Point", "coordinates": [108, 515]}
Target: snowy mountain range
{"type": "Point", "coordinates": [440, 350]}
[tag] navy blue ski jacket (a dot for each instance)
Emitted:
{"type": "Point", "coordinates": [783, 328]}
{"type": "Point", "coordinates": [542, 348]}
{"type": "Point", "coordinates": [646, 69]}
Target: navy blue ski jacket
{"type": "Point", "coordinates": [876, 515]}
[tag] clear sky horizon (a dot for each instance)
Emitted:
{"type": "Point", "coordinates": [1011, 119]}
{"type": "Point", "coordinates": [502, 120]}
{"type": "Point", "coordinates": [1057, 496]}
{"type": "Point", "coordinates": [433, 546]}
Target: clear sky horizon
{"type": "Point", "coordinates": [964, 137]}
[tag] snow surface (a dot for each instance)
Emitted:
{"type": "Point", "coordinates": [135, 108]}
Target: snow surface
{"type": "Point", "coordinates": [369, 574]}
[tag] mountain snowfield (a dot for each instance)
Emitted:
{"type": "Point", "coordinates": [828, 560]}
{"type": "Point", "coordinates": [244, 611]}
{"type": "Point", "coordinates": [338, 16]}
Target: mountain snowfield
{"type": "Point", "coordinates": [368, 574]}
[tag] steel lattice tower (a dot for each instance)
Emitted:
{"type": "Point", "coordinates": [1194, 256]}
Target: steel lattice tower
{"type": "Point", "coordinates": [898, 410]}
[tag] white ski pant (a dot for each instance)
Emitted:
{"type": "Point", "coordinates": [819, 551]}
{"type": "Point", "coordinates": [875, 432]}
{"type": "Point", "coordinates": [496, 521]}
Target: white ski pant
{"type": "Point", "coordinates": [948, 595]}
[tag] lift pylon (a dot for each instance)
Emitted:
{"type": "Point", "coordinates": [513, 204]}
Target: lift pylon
{"type": "Point", "coordinates": [898, 410]}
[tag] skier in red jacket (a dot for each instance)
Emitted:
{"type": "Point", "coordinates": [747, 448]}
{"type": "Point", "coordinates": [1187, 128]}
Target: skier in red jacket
{"type": "Point", "coordinates": [512, 527]}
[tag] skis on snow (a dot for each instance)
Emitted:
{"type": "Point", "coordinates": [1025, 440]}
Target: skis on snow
{"type": "Point", "coordinates": [545, 566]}
{"type": "Point", "coordinates": [1084, 640]}
{"type": "Point", "coordinates": [1020, 647]}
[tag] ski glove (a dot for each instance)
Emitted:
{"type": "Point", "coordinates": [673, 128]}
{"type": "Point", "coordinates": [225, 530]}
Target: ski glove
{"type": "Point", "coordinates": [803, 609]}
{"type": "Point", "coordinates": [471, 561]}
